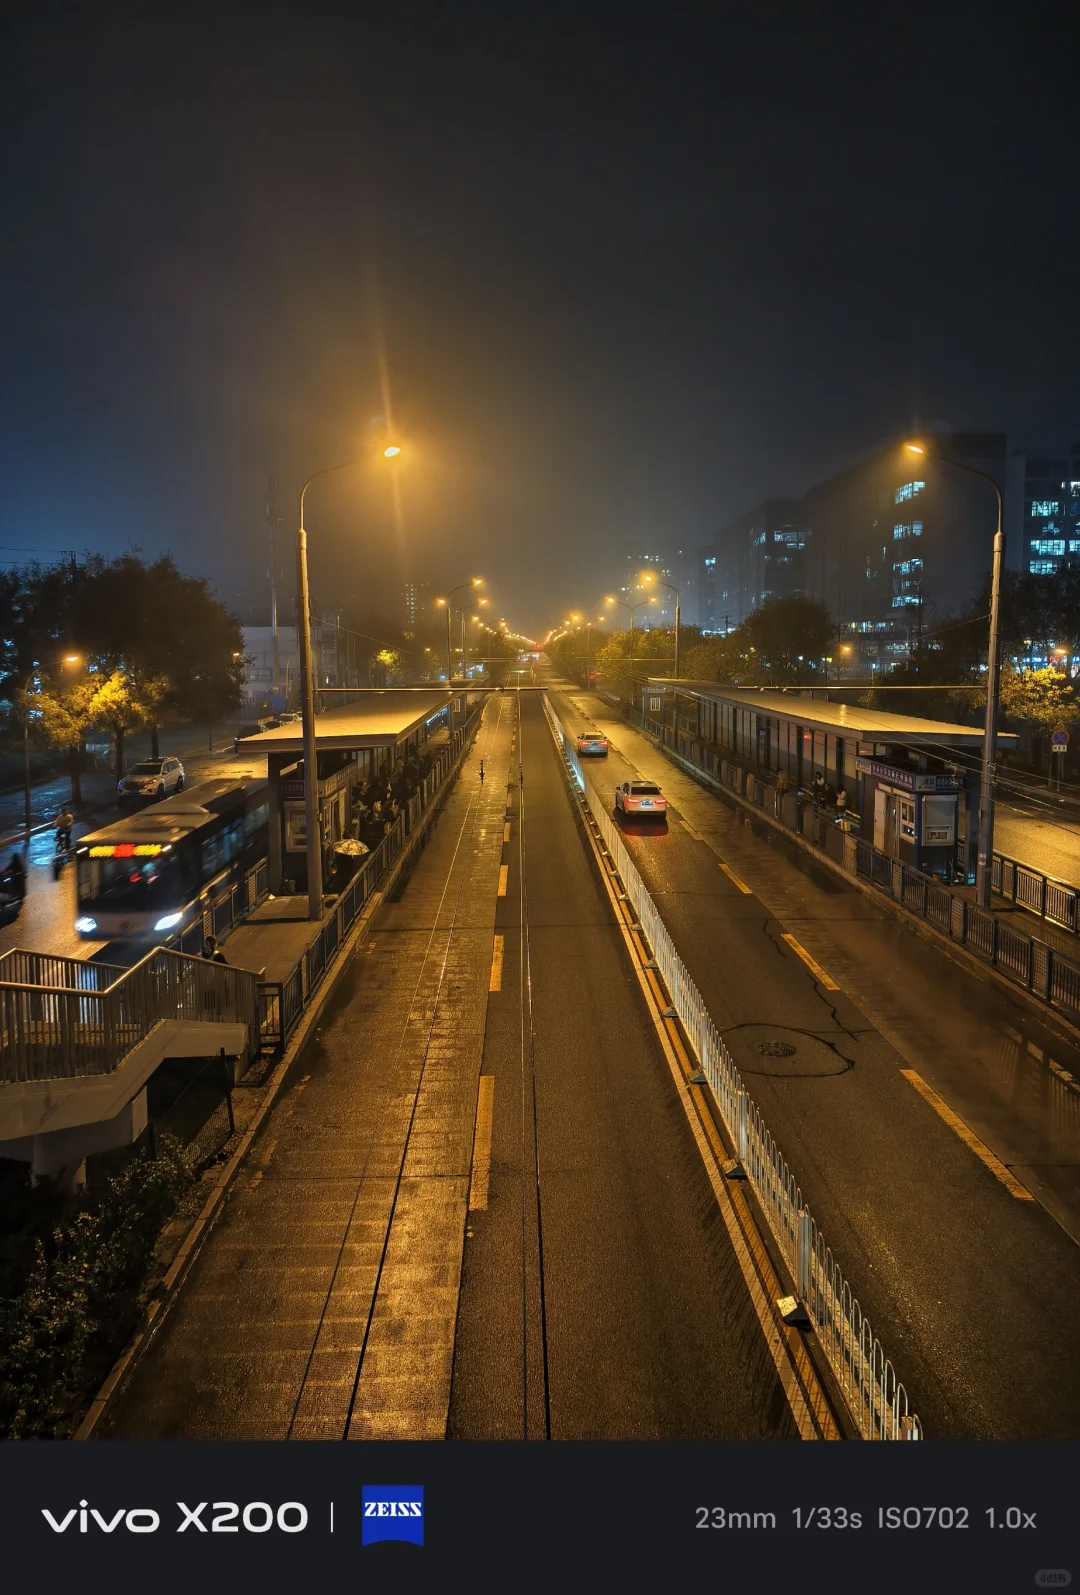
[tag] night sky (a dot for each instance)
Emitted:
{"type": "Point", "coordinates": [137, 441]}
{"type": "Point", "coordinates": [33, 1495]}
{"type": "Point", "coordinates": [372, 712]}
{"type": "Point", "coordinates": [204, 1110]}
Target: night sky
{"type": "Point", "coordinates": [635, 268]}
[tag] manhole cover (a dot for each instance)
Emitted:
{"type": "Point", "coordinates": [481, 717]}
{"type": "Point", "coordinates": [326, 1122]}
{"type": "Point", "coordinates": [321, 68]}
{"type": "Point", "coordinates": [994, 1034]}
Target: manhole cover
{"type": "Point", "coordinates": [776, 1049]}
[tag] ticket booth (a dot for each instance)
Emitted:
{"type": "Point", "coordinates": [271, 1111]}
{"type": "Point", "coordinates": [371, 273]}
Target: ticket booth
{"type": "Point", "coordinates": [911, 814]}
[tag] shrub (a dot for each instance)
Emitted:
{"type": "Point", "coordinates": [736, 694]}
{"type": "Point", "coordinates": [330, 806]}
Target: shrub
{"type": "Point", "coordinates": [82, 1292]}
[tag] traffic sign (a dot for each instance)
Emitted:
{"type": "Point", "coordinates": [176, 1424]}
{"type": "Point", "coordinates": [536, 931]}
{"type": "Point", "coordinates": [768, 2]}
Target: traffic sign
{"type": "Point", "coordinates": [1059, 739]}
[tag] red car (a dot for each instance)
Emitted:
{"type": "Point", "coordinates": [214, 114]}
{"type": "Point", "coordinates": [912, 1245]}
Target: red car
{"type": "Point", "coordinates": [641, 798]}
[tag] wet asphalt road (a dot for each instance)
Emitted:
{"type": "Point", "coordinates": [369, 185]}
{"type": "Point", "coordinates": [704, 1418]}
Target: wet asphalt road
{"type": "Point", "coordinates": [972, 1292]}
{"type": "Point", "coordinates": [598, 1281]}
{"type": "Point", "coordinates": [1042, 834]}
{"type": "Point", "coordinates": [600, 1295]}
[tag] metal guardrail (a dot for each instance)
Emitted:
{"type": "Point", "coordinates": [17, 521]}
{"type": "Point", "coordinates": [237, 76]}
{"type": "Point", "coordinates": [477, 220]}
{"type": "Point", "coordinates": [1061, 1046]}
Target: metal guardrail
{"type": "Point", "coordinates": [74, 1028]}
{"type": "Point", "coordinates": [1031, 963]}
{"type": "Point", "coordinates": [1043, 971]}
{"type": "Point", "coordinates": [282, 1002]}
{"type": "Point", "coordinates": [875, 1396]}
{"type": "Point", "coordinates": [225, 904]}
{"type": "Point", "coordinates": [1053, 900]}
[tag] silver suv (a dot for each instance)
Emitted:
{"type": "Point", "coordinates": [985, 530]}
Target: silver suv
{"type": "Point", "coordinates": [151, 778]}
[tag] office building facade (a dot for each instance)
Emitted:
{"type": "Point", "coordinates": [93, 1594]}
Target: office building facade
{"type": "Point", "coordinates": [1043, 512]}
{"type": "Point", "coordinates": [884, 545]}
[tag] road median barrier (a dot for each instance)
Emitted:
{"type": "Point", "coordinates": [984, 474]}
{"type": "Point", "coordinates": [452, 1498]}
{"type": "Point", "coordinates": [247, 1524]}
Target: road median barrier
{"type": "Point", "coordinates": [873, 1394]}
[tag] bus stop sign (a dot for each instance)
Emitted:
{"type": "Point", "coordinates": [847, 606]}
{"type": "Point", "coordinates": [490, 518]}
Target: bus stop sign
{"type": "Point", "coordinates": [1059, 740]}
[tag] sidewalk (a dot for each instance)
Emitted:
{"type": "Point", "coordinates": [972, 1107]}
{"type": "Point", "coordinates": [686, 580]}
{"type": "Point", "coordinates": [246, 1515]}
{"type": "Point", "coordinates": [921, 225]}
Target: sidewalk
{"type": "Point", "coordinates": [274, 937]}
{"type": "Point", "coordinates": [323, 1303]}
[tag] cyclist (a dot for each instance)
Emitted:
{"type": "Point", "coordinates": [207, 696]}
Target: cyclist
{"type": "Point", "coordinates": [64, 821]}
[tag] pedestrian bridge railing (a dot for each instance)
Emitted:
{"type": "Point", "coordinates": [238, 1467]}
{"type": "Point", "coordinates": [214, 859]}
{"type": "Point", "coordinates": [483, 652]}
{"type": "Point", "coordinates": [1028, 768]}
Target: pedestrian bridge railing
{"type": "Point", "coordinates": [875, 1397]}
{"type": "Point", "coordinates": [62, 1018]}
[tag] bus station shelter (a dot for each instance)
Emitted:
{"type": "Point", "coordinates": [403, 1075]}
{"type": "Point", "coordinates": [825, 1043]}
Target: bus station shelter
{"type": "Point", "coordinates": [375, 731]}
{"type": "Point", "coordinates": [913, 782]}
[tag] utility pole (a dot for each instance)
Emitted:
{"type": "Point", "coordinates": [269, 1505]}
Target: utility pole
{"type": "Point", "coordinates": [271, 523]}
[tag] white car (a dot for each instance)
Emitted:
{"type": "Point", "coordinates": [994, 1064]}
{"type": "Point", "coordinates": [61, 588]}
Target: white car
{"type": "Point", "coordinates": [642, 798]}
{"type": "Point", "coordinates": [592, 742]}
{"type": "Point", "coordinates": [151, 778]}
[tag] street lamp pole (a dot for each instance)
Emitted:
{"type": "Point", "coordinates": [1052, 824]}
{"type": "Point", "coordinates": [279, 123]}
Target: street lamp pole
{"type": "Point", "coordinates": [986, 779]}
{"type": "Point", "coordinates": [477, 581]}
{"type": "Point", "coordinates": [645, 602]}
{"type": "Point", "coordinates": [65, 659]}
{"type": "Point", "coordinates": [648, 580]}
{"type": "Point", "coordinates": [307, 706]}
{"type": "Point", "coordinates": [307, 695]}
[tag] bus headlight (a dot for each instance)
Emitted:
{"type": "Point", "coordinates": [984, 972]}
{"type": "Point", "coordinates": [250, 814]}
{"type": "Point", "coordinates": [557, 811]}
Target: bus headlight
{"type": "Point", "coordinates": [169, 920]}
{"type": "Point", "coordinates": [85, 925]}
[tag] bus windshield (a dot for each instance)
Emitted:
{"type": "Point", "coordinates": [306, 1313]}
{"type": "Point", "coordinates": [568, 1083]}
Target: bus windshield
{"type": "Point", "coordinates": [131, 882]}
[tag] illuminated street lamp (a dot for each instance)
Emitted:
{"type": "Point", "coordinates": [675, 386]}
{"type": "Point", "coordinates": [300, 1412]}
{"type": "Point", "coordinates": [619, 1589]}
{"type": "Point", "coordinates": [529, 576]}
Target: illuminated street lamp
{"type": "Point", "coordinates": [645, 602]}
{"type": "Point", "coordinates": [307, 695]}
{"type": "Point", "coordinates": [986, 779]}
{"type": "Point", "coordinates": [645, 580]}
{"type": "Point", "coordinates": [476, 581]}
{"type": "Point", "coordinates": [63, 659]}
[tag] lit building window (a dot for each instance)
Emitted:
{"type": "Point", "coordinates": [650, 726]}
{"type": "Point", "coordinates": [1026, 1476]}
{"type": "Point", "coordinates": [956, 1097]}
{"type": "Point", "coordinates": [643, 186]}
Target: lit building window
{"type": "Point", "coordinates": [907, 529]}
{"type": "Point", "coordinates": [710, 562]}
{"type": "Point", "coordinates": [1048, 545]}
{"type": "Point", "coordinates": [1041, 567]}
{"type": "Point", "coordinates": [1074, 547]}
{"type": "Point", "coordinates": [906, 566]}
{"type": "Point", "coordinates": [908, 490]}
{"type": "Point", "coordinates": [1044, 506]}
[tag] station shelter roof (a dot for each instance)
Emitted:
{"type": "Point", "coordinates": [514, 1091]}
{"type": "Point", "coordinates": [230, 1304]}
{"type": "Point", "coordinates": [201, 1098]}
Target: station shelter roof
{"type": "Point", "coordinates": [379, 718]}
{"type": "Point", "coordinates": [841, 719]}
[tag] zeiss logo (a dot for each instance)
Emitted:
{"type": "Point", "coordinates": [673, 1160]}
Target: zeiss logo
{"type": "Point", "coordinates": [394, 1512]}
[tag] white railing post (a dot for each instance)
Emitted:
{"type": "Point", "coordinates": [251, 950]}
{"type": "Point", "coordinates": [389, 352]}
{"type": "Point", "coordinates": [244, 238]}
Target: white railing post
{"type": "Point", "coordinates": [804, 1253]}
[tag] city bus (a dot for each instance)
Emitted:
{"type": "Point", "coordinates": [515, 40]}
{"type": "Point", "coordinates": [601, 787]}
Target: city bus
{"type": "Point", "coordinates": [147, 877]}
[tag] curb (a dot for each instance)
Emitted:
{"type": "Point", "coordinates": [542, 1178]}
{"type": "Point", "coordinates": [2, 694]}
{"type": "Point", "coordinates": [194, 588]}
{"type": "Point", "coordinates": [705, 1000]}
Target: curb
{"type": "Point", "coordinates": [169, 1287]}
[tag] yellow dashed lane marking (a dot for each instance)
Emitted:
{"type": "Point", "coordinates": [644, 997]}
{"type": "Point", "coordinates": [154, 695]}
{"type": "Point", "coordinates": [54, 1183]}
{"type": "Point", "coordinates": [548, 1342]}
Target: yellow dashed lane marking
{"type": "Point", "coordinates": [731, 875]}
{"type": "Point", "coordinates": [968, 1136]}
{"type": "Point", "coordinates": [815, 968]}
{"type": "Point", "coordinates": [495, 983]}
{"type": "Point", "coordinates": [481, 1157]}
{"type": "Point", "coordinates": [506, 830]}
{"type": "Point", "coordinates": [504, 871]}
